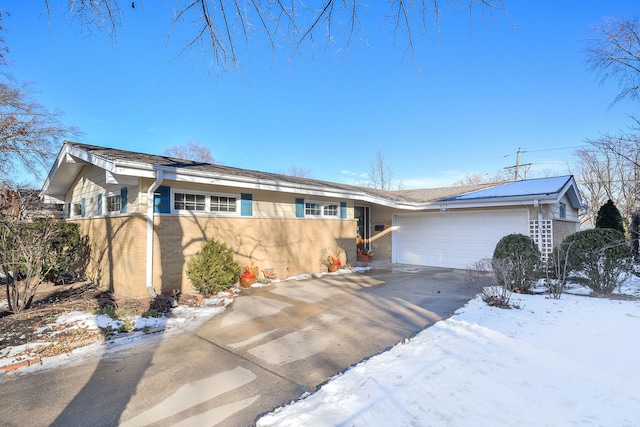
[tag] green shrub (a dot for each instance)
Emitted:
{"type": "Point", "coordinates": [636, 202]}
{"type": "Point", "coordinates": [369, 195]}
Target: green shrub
{"type": "Point", "coordinates": [68, 253]}
{"type": "Point", "coordinates": [516, 259]}
{"type": "Point", "coordinates": [213, 268]}
{"type": "Point", "coordinates": [599, 258]}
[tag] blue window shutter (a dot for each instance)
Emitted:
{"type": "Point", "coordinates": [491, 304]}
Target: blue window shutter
{"type": "Point", "coordinates": [162, 199]}
{"type": "Point", "coordinates": [68, 210]}
{"type": "Point", "coordinates": [299, 208]}
{"type": "Point", "coordinates": [343, 210]}
{"type": "Point", "coordinates": [84, 207]}
{"type": "Point", "coordinates": [246, 204]}
{"type": "Point", "coordinates": [99, 204]}
{"type": "Point", "coordinates": [123, 200]}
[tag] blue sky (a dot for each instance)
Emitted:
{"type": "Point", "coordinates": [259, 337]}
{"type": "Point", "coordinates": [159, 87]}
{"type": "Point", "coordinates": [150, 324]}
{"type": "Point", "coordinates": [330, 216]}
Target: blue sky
{"type": "Point", "coordinates": [470, 100]}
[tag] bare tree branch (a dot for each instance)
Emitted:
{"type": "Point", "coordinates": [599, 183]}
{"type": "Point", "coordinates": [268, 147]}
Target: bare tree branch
{"type": "Point", "coordinates": [190, 151]}
{"type": "Point", "coordinates": [614, 53]}
{"type": "Point", "coordinates": [29, 133]}
{"type": "Point", "coordinates": [286, 24]}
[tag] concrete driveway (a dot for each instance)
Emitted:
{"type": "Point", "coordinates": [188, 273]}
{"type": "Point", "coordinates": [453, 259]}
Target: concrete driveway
{"type": "Point", "coordinates": [268, 348]}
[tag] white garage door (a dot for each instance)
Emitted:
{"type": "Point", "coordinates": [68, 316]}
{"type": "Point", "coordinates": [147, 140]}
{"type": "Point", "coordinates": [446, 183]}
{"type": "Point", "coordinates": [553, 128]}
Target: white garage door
{"type": "Point", "coordinates": [453, 239]}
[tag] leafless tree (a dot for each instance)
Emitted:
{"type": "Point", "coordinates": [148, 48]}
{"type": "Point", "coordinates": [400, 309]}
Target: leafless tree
{"type": "Point", "coordinates": [299, 172]}
{"type": "Point", "coordinates": [29, 132]}
{"type": "Point", "coordinates": [224, 28]}
{"type": "Point", "coordinates": [610, 170]}
{"type": "Point", "coordinates": [190, 151]}
{"type": "Point", "coordinates": [480, 178]}
{"type": "Point", "coordinates": [614, 53]}
{"type": "Point", "coordinates": [380, 174]}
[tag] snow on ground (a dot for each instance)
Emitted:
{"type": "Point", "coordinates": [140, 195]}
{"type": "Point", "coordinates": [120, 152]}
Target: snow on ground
{"type": "Point", "coordinates": [572, 361]}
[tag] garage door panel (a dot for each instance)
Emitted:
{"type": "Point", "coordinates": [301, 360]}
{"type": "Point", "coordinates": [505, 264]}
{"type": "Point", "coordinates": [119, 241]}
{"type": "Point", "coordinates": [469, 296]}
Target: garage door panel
{"type": "Point", "coordinates": [454, 239]}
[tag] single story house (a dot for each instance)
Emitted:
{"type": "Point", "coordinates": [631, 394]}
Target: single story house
{"type": "Point", "coordinates": [146, 215]}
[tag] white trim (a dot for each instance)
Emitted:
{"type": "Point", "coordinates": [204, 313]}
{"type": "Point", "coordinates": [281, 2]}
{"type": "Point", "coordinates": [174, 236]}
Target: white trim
{"type": "Point", "coordinates": [323, 205]}
{"type": "Point", "coordinates": [105, 203]}
{"type": "Point", "coordinates": [207, 202]}
{"type": "Point", "coordinates": [72, 206]}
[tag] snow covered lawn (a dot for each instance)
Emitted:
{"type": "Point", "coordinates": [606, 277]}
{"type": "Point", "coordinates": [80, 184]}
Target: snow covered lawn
{"type": "Point", "coordinates": [572, 361]}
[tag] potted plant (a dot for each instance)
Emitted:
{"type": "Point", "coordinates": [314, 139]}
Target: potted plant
{"type": "Point", "coordinates": [332, 261]}
{"type": "Point", "coordinates": [248, 276]}
{"type": "Point", "coordinates": [364, 255]}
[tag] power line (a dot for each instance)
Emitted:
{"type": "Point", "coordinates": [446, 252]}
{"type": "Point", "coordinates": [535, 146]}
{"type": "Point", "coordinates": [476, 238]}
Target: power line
{"type": "Point", "coordinates": [553, 149]}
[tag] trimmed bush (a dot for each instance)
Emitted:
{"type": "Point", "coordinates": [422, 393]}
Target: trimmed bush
{"type": "Point", "coordinates": [599, 258]}
{"type": "Point", "coordinates": [516, 259]}
{"type": "Point", "coordinates": [213, 268]}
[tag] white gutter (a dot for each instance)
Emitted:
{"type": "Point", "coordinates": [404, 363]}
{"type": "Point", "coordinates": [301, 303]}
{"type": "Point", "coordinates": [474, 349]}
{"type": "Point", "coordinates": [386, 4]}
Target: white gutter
{"type": "Point", "coordinates": [150, 230]}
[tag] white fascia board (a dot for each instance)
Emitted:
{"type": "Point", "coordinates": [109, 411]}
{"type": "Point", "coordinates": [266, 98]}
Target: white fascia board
{"type": "Point", "coordinates": [115, 167]}
{"type": "Point", "coordinates": [485, 203]}
{"type": "Point", "coordinates": [252, 184]}
{"type": "Point", "coordinates": [112, 178]}
{"type": "Point", "coordinates": [53, 198]}
{"type": "Point", "coordinates": [60, 159]}
{"type": "Point", "coordinates": [89, 158]}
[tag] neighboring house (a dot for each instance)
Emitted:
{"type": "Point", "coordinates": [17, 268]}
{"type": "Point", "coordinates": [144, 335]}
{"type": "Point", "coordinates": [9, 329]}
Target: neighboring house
{"type": "Point", "coordinates": [26, 204]}
{"type": "Point", "coordinates": [146, 215]}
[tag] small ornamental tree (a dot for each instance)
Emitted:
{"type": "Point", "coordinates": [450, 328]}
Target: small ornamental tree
{"type": "Point", "coordinates": [609, 217]}
{"type": "Point", "coordinates": [213, 268]}
{"type": "Point", "coordinates": [599, 258]}
{"type": "Point", "coordinates": [516, 259]}
{"type": "Point", "coordinates": [33, 249]}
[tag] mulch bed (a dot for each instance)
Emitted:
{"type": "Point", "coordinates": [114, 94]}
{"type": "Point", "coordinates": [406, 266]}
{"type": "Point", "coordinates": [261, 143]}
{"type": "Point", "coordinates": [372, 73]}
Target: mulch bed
{"type": "Point", "coordinates": [53, 301]}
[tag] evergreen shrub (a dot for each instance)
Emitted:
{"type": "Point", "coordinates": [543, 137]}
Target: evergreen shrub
{"type": "Point", "coordinates": [599, 258]}
{"type": "Point", "coordinates": [213, 268]}
{"type": "Point", "coordinates": [516, 260]}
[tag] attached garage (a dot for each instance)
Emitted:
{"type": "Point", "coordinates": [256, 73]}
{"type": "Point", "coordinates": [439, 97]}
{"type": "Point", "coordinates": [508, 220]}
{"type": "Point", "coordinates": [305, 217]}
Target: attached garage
{"type": "Point", "coordinates": [453, 239]}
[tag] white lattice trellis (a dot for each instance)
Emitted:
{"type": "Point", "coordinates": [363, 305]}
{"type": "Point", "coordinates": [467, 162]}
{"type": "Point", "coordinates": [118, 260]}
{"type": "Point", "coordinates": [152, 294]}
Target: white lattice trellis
{"type": "Point", "coordinates": [542, 234]}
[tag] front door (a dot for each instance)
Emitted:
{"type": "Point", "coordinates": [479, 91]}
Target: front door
{"type": "Point", "coordinates": [361, 214]}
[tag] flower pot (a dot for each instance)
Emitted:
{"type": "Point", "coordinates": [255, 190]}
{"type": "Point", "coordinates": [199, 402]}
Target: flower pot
{"type": "Point", "coordinates": [246, 281]}
{"type": "Point", "coordinates": [363, 258]}
{"type": "Point", "coordinates": [334, 267]}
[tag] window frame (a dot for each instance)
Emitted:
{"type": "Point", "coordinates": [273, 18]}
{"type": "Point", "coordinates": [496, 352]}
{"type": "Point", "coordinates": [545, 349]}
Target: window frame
{"type": "Point", "coordinates": [188, 193]}
{"type": "Point", "coordinates": [563, 210]}
{"type": "Point", "coordinates": [207, 202]}
{"type": "Point", "coordinates": [105, 203]}
{"type": "Point", "coordinates": [73, 206]}
{"type": "Point", "coordinates": [327, 209]}
{"type": "Point", "coordinates": [236, 203]}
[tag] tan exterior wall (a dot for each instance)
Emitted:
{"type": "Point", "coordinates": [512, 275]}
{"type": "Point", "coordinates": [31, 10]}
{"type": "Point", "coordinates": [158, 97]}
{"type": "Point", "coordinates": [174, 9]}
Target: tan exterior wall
{"type": "Point", "coordinates": [117, 253]}
{"type": "Point", "coordinates": [289, 246]}
{"type": "Point", "coordinates": [381, 239]}
{"type": "Point", "coordinates": [563, 229]}
{"type": "Point", "coordinates": [273, 238]}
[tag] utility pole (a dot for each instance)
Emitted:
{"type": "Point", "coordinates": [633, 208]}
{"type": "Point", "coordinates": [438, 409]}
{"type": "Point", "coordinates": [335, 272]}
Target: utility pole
{"type": "Point", "coordinates": [518, 165]}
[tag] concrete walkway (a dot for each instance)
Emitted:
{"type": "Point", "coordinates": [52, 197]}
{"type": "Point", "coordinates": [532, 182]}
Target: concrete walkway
{"type": "Point", "coordinates": [268, 348]}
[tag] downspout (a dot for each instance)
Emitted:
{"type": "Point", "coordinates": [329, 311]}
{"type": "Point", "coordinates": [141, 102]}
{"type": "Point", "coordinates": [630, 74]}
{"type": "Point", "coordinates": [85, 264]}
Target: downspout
{"type": "Point", "coordinates": [536, 204]}
{"type": "Point", "coordinates": [150, 230]}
